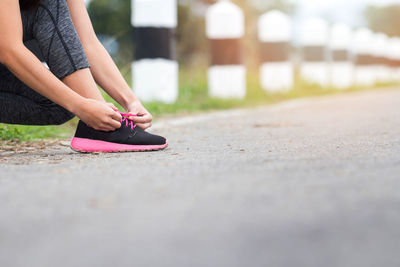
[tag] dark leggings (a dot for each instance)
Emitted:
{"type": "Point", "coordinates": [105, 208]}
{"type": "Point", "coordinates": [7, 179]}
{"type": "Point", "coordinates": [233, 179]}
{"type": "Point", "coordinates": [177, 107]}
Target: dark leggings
{"type": "Point", "coordinates": [50, 34]}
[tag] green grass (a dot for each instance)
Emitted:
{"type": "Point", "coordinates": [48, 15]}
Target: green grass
{"type": "Point", "coordinates": [30, 133]}
{"type": "Point", "coordinates": [193, 98]}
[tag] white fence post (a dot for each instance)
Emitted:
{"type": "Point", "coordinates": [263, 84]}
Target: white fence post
{"type": "Point", "coordinates": [379, 54]}
{"type": "Point", "coordinates": [275, 34]}
{"type": "Point", "coordinates": [154, 70]}
{"type": "Point", "coordinates": [342, 68]}
{"type": "Point", "coordinates": [394, 55]}
{"type": "Point", "coordinates": [314, 36]}
{"type": "Point", "coordinates": [362, 48]}
{"type": "Point", "coordinates": [225, 30]}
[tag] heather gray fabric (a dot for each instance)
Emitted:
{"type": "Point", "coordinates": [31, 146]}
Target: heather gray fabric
{"type": "Point", "coordinates": [50, 34]}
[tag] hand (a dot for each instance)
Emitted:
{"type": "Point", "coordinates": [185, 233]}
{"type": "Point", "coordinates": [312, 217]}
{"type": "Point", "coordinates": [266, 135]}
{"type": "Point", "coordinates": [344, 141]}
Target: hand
{"type": "Point", "coordinates": [100, 116]}
{"type": "Point", "coordinates": [143, 118]}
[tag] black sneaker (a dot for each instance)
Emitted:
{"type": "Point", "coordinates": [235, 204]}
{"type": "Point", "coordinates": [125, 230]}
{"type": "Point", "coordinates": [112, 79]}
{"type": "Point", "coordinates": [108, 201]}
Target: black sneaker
{"type": "Point", "coordinates": [127, 138]}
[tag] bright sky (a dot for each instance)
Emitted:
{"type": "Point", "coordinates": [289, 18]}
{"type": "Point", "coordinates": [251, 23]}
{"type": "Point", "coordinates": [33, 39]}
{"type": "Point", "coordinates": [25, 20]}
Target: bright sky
{"type": "Point", "coordinates": [333, 2]}
{"type": "Point", "coordinates": [347, 11]}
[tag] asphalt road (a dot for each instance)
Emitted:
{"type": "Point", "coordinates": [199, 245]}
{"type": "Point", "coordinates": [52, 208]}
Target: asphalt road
{"type": "Point", "coordinates": [313, 182]}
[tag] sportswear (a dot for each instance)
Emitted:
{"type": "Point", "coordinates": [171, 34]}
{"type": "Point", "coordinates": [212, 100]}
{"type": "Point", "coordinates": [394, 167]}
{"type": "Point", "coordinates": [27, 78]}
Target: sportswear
{"type": "Point", "coordinates": [128, 137]}
{"type": "Point", "coordinates": [49, 33]}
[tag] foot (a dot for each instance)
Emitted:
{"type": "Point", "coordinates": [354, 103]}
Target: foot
{"type": "Point", "coordinates": [127, 138]}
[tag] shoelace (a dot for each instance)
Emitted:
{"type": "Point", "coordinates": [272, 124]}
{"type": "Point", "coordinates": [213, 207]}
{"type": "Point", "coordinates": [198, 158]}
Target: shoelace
{"type": "Point", "coordinates": [127, 121]}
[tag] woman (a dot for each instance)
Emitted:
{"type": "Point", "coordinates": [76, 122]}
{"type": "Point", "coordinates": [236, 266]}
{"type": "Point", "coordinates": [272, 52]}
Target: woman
{"type": "Point", "coordinates": [31, 94]}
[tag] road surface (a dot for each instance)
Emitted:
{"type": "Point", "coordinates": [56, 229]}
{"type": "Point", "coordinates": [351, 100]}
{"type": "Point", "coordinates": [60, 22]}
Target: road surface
{"type": "Point", "coordinates": [311, 182]}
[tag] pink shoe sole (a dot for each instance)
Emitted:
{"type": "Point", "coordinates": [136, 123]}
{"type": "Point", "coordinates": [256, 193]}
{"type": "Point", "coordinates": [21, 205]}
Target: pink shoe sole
{"type": "Point", "coordinates": [88, 146]}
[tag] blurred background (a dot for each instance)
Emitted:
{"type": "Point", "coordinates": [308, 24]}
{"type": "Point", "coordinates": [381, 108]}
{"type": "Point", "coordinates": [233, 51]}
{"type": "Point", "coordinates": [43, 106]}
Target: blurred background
{"type": "Point", "coordinates": [112, 22]}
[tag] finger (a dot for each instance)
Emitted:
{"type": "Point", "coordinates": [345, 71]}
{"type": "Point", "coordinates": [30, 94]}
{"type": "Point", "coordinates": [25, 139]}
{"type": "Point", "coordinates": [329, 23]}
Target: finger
{"type": "Point", "coordinates": [141, 126]}
{"type": "Point", "coordinates": [111, 105]}
{"type": "Point", "coordinates": [144, 126]}
{"type": "Point", "coordinates": [131, 118]}
{"type": "Point", "coordinates": [142, 119]}
{"type": "Point", "coordinates": [132, 114]}
{"type": "Point", "coordinates": [113, 124]}
{"type": "Point", "coordinates": [116, 116]}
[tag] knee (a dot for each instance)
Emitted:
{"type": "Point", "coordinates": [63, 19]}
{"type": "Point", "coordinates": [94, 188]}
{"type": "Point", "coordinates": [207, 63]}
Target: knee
{"type": "Point", "coordinates": [47, 10]}
{"type": "Point", "coordinates": [62, 116]}
{"type": "Point", "coordinates": [66, 118]}
{"type": "Point", "coordinates": [58, 39]}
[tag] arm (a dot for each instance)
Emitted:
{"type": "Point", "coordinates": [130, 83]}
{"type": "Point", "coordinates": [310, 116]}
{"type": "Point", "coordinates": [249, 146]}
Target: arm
{"type": "Point", "coordinates": [103, 68]}
{"type": "Point", "coordinates": [27, 67]}
{"type": "Point", "coordinates": [19, 60]}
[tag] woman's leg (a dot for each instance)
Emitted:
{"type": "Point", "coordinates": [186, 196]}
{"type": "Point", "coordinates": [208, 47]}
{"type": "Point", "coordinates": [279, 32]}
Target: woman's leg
{"type": "Point", "coordinates": [19, 104]}
{"type": "Point", "coordinates": [51, 27]}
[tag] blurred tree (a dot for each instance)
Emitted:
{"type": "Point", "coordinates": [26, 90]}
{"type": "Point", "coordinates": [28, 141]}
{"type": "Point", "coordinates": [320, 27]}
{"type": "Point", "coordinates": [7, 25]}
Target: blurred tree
{"type": "Point", "coordinates": [112, 18]}
{"type": "Point", "coordinates": [190, 34]}
{"type": "Point", "coordinates": [282, 5]}
{"type": "Point", "coordinates": [384, 19]}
